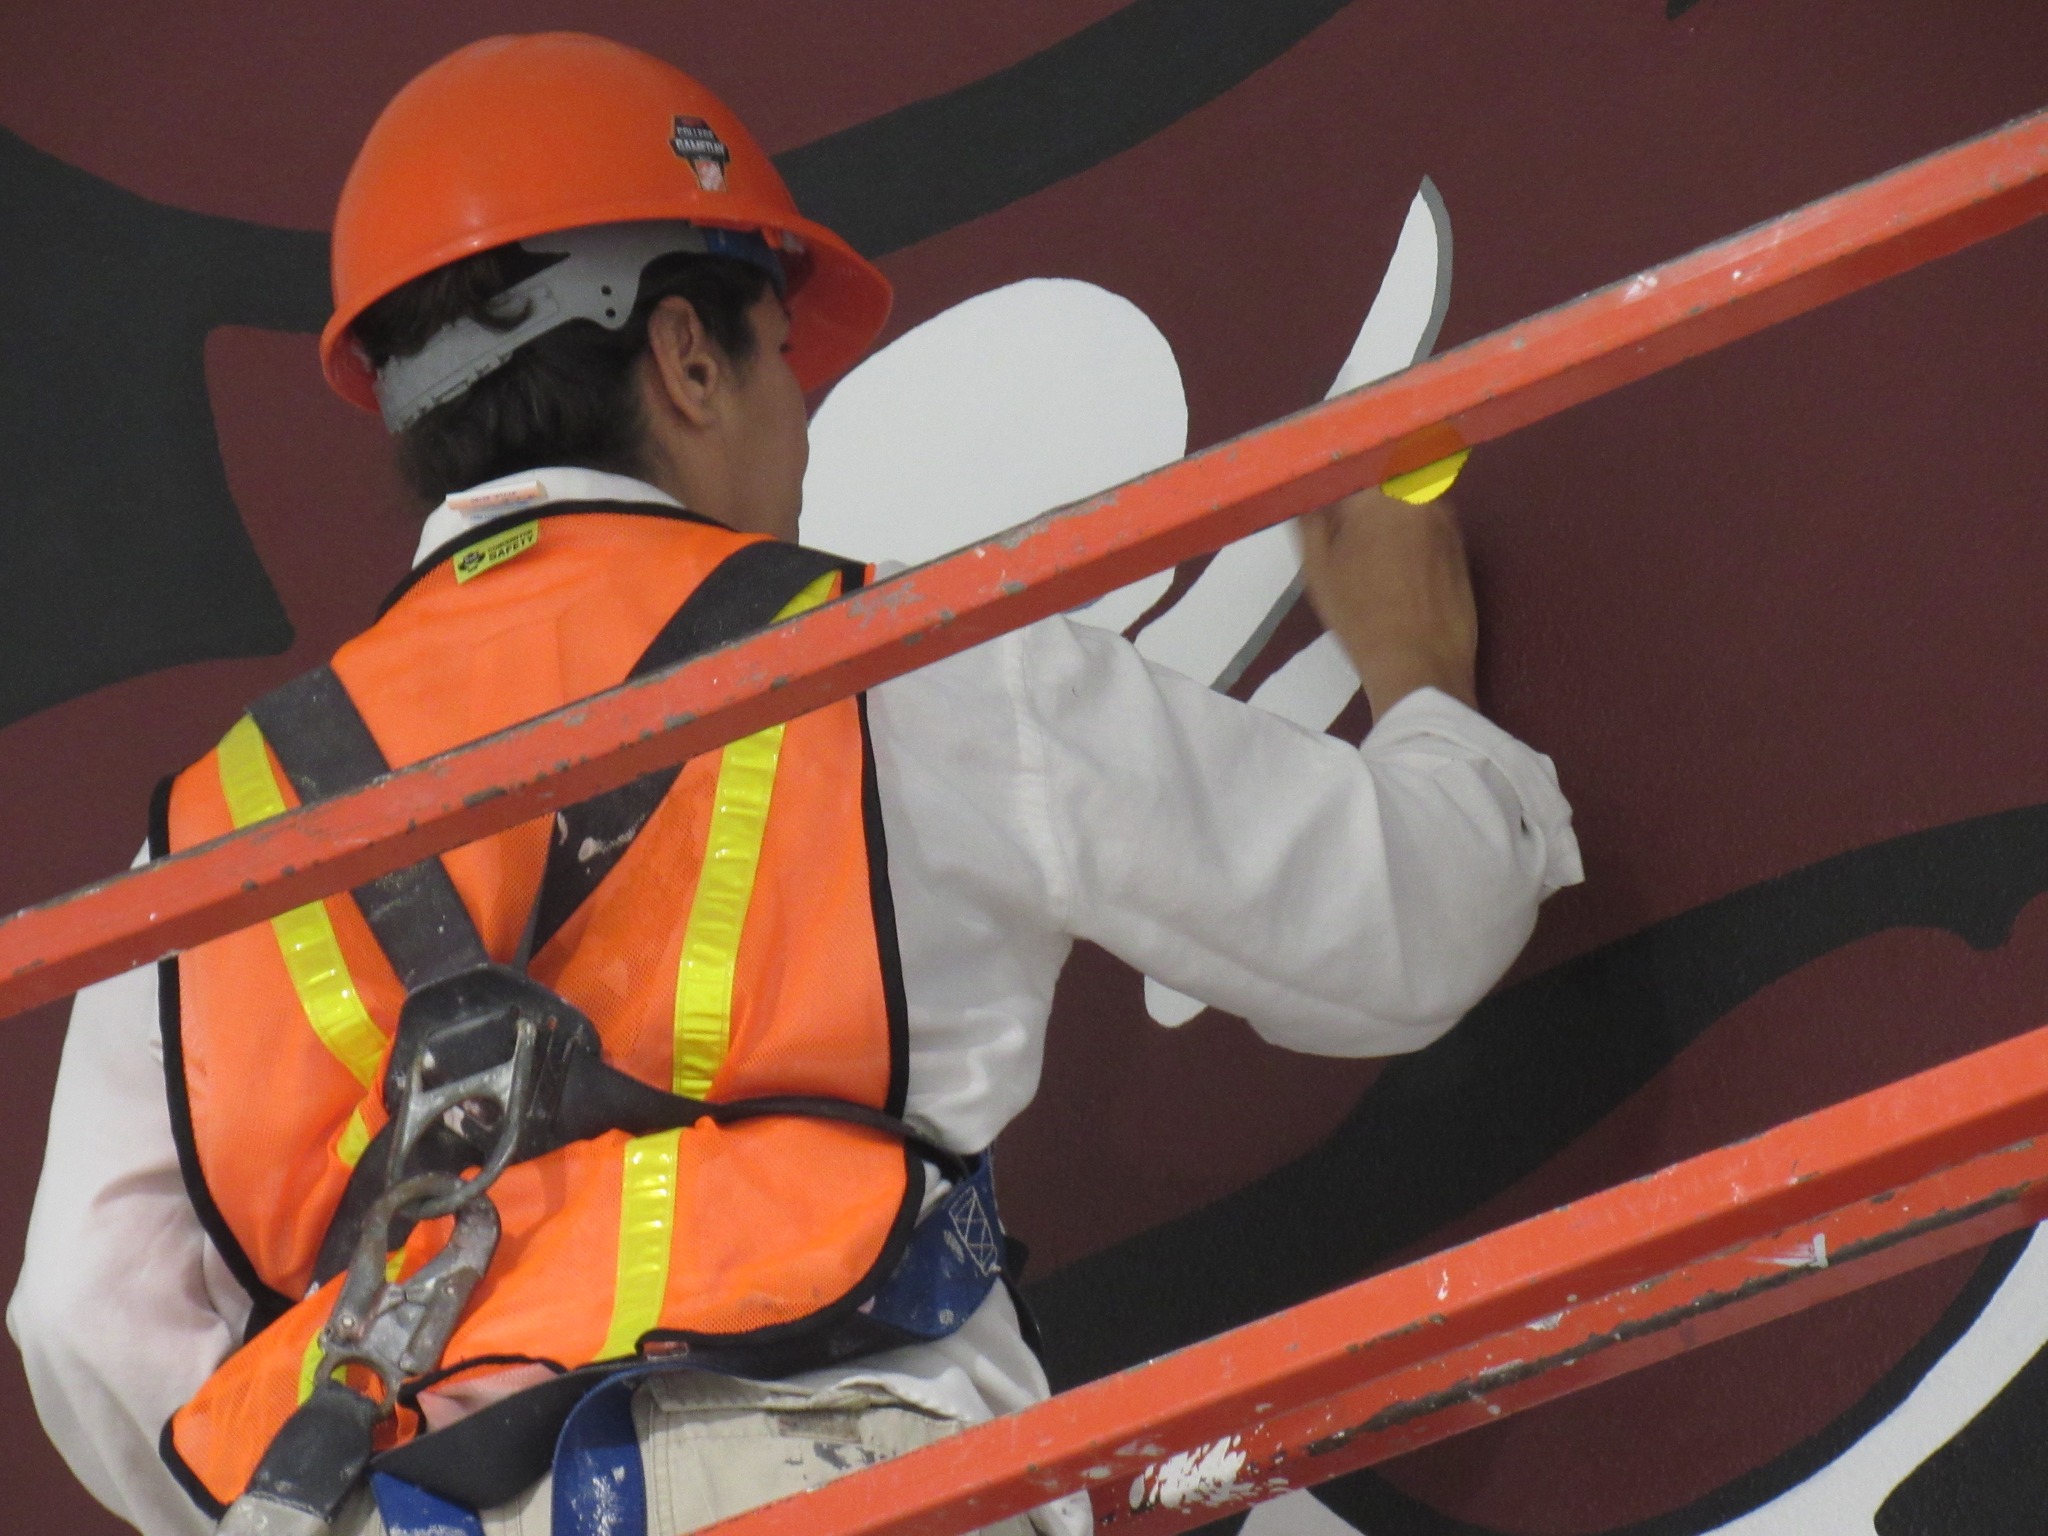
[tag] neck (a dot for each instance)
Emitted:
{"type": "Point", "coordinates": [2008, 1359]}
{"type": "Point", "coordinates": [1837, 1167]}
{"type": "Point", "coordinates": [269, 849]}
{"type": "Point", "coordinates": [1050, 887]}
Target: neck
{"type": "Point", "coordinates": [708, 483]}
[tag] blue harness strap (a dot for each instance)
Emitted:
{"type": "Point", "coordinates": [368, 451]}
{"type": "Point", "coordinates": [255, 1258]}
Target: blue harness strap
{"type": "Point", "coordinates": [600, 1486]}
{"type": "Point", "coordinates": [954, 1258]}
{"type": "Point", "coordinates": [410, 1511]}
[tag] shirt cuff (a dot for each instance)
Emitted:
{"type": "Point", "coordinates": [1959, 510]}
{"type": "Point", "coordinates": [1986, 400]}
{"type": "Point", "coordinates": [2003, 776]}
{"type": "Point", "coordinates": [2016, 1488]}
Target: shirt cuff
{"type": "Point", "coordinates": [1431, 713]}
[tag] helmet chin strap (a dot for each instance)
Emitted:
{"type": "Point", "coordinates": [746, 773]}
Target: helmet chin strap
{"type": "Point", "coordinates": [597, 279]}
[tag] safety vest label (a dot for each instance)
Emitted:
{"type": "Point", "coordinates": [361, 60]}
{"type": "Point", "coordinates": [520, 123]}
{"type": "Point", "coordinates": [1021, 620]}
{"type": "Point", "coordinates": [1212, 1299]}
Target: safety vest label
{"type": "Point", "coordinates": [495, 550]}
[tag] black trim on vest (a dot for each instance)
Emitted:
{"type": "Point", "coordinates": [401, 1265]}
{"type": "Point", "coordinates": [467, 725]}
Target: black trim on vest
{"type": "Point", "coordinates": [888, 949]}
{"type": "Point", "coordinates": [266, 1306]}
{"type": "Point", "coordinates": [492, 1456]}
{"type": "Point", "coordinates": [449, 548]}
{"type": "Point", "coordinates": [182, 1473]}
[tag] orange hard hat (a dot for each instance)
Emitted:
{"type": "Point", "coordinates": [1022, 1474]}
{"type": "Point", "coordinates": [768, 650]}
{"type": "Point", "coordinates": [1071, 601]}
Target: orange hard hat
{"type": "Point", "coordinates": [515, 137]}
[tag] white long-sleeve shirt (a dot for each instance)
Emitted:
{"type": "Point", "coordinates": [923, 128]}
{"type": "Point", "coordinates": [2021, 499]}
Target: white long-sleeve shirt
{"type": "Point", "coordinates": [1047, 786]}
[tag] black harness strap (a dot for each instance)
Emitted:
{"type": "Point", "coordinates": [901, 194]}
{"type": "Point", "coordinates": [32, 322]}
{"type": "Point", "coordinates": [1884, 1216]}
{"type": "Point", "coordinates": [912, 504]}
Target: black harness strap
{"type": "Point", "coordinates": [415, 914]}
{"type": "Point", "coordinates": [598, 1097]}
{"type": "Point", "coordinates": [326, 748]}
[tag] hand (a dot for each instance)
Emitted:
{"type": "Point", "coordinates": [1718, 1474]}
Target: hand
{"type": "Point", "coordinates": [1390, 581]}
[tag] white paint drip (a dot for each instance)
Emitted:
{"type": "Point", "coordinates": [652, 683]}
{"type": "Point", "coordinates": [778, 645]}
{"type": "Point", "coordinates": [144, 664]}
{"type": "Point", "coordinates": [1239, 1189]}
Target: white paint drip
{"type": "Point", "coordinates": [1642, 287]}
{"type": "Point", "coordinates": [1813, 1255]}
{"type": "Point", "coordinates": [1206, 1475]}
{"type": "Point", "coordinates": [592, 847]}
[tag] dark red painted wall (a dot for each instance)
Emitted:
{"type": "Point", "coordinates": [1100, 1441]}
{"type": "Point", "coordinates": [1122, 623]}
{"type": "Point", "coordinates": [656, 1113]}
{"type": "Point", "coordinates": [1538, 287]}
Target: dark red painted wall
{"type": "Point", "coordinates": [1774, 607]}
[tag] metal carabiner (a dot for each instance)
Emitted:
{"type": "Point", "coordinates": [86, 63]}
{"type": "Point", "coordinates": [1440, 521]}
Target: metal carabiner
{"type": "Point", "coordinates": [399, 1328]}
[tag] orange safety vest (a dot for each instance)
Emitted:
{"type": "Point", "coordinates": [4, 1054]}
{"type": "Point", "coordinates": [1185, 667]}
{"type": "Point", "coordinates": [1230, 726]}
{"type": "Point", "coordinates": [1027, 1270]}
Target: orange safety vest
{"type": "Point", "coordinates": [742, 946]}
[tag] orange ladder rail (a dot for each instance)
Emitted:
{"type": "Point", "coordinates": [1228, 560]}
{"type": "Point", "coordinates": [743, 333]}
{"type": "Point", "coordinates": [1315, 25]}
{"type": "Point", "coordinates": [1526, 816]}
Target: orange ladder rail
{"type": "Point", "coordinates": [1483, 390]}
{"type": "Point", "coordinates": [1819, 1206]}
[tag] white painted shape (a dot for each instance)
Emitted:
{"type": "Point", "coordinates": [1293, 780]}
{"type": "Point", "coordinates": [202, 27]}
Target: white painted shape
{"type": "Point", "coordinates": [1245, 586]}
{"type": "Point", "coordinates": [1169, 1007]}
{"type": "Point", "coordinates": [1296, 1514]}
{"type": "Point", "coordinates": [1200, 635]}
{"type": "Point", "coordinates": [1312, 686]}
{"type": "Point", "coordinates": [1843, 1498]}
{"type": "Point", "coordinates": [1399, 327]}
{"type": "Point", "coordinates": [1008, 404]}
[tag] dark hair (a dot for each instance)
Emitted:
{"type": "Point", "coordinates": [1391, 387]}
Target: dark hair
{"type": "Point", "coordinates": [566, 397]}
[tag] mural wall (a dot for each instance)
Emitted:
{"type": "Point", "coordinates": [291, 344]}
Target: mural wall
{"type": "Point", "coordinates": [1777, 614]}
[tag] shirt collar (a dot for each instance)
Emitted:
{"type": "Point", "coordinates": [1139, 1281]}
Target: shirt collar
{"type": "Point", "coordinates": [530, 489]}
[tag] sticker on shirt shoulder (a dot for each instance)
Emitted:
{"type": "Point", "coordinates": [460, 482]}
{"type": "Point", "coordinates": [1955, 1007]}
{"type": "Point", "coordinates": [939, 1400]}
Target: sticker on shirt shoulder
{"type": "Point", "coordinates": [504, 498]}
{"type": "Point", "coordinates": [487, 554]}
{"type": "Point", "coordinates": [698, 142]}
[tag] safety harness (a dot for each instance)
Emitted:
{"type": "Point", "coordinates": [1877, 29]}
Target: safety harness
{"type": "Point", "coordinates": [490, 1068]}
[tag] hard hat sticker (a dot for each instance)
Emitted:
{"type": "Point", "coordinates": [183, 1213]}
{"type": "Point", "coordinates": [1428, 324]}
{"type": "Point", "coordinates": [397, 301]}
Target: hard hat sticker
{"type": "Point", "coordinates": [494, 551]}
{"type": "Point", "coordinates": [698, 142]}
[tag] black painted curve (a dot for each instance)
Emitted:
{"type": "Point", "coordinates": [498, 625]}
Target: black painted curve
{"type": "Point", "coordinates": [936, 164]}
{"type": "Point", "coordinates": [124, 550]}
{"type": "Point", "coordinates": [1992, 1476]}
{"type": "Point", "coordinates": [1528, 1071]}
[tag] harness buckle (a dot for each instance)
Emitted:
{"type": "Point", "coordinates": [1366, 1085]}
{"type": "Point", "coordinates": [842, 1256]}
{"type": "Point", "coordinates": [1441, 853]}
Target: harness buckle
{"type": "Point", "coordinates": [458, 1040]}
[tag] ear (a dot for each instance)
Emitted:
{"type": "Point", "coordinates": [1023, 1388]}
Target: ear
{"type": "Point", "coordinates": [686, 369]}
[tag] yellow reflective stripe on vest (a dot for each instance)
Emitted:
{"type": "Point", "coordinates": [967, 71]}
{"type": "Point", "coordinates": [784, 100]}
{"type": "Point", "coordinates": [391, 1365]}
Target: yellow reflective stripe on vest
{"type": "Point", "coordinates": [305, 936]}
{"type": "Point", "coordinates": [354, 1138]}
{"type": "Point", "coordinates": [309, 1366]}
{"type": "Point", "coordinates": [647, 1214]}
{"type": "Point", "coordinates": [725, 889]}
{"type": "Point", "coordinates": [703, 1015]}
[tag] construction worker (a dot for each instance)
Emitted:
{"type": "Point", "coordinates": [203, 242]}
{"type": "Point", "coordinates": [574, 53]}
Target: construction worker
{"type": "Point", "coordinates": [643, 1148]}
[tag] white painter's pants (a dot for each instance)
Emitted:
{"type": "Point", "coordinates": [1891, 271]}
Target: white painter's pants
{"type": "Point", "coordinates": [714, 1446]}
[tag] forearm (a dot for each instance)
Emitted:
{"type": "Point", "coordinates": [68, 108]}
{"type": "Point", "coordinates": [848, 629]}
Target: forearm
{"type": "Point", "coordinates": [1389, 580]}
